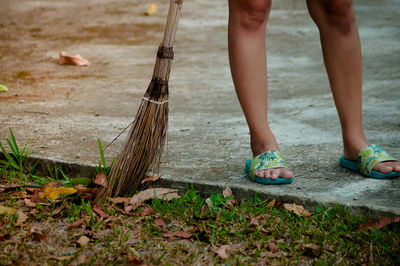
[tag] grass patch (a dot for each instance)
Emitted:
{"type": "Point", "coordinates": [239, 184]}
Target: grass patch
{"type": "Point", "coordinates": [189, 231]}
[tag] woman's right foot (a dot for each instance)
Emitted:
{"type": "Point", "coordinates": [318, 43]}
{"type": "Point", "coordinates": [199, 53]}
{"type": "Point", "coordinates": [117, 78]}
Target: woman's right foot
{"type": "Point", "coordinates": [266, 144]}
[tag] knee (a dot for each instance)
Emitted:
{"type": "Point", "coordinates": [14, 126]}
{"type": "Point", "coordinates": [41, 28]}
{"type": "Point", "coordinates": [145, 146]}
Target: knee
{"type": "Point", "coordinates": [339, 14]}
{"type": "Point", "coordinates": [253, 14]}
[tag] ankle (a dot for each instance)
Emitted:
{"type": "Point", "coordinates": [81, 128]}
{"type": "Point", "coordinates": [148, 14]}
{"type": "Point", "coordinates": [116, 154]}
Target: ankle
{"type": "Point", "coordinates": [262, 144]}
{"type": "Point", "coordinates": [353, 145]}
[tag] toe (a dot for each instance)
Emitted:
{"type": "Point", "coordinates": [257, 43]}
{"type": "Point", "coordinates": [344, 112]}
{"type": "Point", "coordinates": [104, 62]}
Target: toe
{"type": "Point", "coordinates": [286, 174]}
{"type": "Point", "coordinates": [259, 173]}
{"type": "Point", "coordinates": [383, 168]}
{"type": "Point", "coordinates": [274, 174]}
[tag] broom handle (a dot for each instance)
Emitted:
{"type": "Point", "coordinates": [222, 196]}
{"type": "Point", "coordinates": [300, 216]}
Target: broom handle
{"type": "Point", "coordinates": [174, 12]}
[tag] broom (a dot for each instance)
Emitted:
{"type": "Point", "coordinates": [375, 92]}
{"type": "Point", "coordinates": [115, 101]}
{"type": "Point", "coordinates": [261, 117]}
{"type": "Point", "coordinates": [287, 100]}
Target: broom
{"type": "Point", "coordinates": [144, 143]}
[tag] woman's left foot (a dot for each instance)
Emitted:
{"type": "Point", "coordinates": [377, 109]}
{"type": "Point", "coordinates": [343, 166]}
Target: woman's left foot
{"type": "Point", "coordinates": [351, 153]}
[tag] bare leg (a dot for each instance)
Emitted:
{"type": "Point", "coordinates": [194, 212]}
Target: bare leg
{"type": "Point", "coordinates": [247, 54]}
{"type": "Point", "coordinates": [341, 50]}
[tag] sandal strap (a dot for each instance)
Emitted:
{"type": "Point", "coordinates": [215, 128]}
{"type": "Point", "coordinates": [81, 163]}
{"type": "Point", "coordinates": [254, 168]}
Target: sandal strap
{"type": "Point", "coordinates": [370, 156]}
{"type": "Point", "coordinates": [267, 160]}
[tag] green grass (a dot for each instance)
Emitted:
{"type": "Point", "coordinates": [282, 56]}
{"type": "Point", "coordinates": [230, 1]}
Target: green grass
{"type": "Point", "coordinates": [256, 232]}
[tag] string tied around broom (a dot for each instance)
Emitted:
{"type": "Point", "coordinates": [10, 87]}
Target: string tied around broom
{"type": "Point", "coordinates": [165, 52]}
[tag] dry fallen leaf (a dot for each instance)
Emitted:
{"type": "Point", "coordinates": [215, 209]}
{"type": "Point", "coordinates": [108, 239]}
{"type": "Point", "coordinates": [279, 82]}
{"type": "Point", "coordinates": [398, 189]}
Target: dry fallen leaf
{"type": "Point", "coordinates": [119, 200]}
{"type": "Point", "coordinates": [297, 209]}
{"type": "Point", "coordinates": [53, 193]}
{"type": "Point", "coordinates": [227, 192]}
{"type": "Point", "coordinates": [7, 210]}
{"type": "Point", "coordinates": [21, 217]}
{"type": "Point", "coordinates": [223, 251]}
{"type": "Point", "coordinates": [135, 261]}
{"type": "Point", "coordinates": [151, 193]}
{"type": "Point", "coordinates": [378, 223]}
{"type": "Point", "coordinates": [76, 60]}
{"type": "Point", "coordinates": [150, 179]}
{"type": "Point", "coordinates": [39, 236]}
{"type": "Point", "coordinates": [100, 212]}
{"type": "Point", "coordinates": [83, 241]}
{"type": "Point", "coordinates": [101, 180]}
{"type": "Point", "coordinates": [3, 88]}
{"type": "Point", "coordinates": [75, 224]}
{"type": "Point", "coordinates": [152, 10]}
{"type": "Point", "coordinates": [4, 237]}
{"type": "Point", "coordinates": [181, 234]}
{"type": "Point", "coordinates": [160, 222]}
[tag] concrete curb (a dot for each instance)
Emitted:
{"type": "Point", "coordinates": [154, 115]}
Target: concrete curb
{"type": "Point", "coordinates": [206, 189]}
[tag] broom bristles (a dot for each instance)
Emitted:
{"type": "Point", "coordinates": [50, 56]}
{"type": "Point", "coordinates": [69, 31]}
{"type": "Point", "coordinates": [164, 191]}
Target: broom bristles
{"type": "Point", "coordinates": [142, 148]}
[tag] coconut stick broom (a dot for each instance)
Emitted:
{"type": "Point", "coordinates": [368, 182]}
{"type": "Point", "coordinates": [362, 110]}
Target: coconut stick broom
{"type": "Point", "coordinates": [144, 143]}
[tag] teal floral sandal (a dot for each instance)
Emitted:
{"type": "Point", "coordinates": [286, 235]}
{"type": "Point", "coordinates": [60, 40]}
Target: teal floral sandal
{"type": "Point", "coordinates": [367, 159]}
{"type": "Point", "coordinates": [267, 160]}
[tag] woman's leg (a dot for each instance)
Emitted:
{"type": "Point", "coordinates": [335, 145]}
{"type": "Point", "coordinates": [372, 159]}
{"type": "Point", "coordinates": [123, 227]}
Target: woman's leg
{"type": "Point", "coordinates": [341, 50]}
{"type": "Point", "coordinates": [247, 55]}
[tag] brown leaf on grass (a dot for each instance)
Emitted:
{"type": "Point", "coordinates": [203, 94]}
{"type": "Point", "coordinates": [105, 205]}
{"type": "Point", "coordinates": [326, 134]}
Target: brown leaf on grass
{"type": "Point", "coordinates": [76, 60]}
{"type": "Point", "coordinates": [79, 260]}
{"type": "Point", "coordinates": [86, 192]}
{"type": "Point", "coordinates": [53, 193]}
{"type": "Point", "coordinates": [150, 179]}
{"type": "Point", "coordinates": [119, 200]}
{"type": "Point", "coordinates": [101, 180]}
{"type": "Point", "coordinates": [4, 237]}
{"type": "Point", "coordinates": [29, 202]}
{"type": "Point", "coordinates": [272, 246]}
{"type": "Point", "coordinates": [297, 209]}
{"type": "Point", "coordinates": [151, 193]}
{"type": "Point", "coordinates": [7, 210]}
{"type": "Point", "coordinates": [378, 223]}
{"type": "Point", "coordinates": [227, 192]}
{"type": "Point", "coordinates": [181, 234]}
{"type": "Point", "coordinates": [5, 188]}
{"type": "Point", "coordinates": [100, 212]}
{"type": "Point", "coordinates": [57, 210]}
{"type": "Point", "coordinates": [63, 258]}
{"type": "Point", "coordinates": [223, 251]}
{"type": "Point", "coordinates": [145, 212]}
{"type": "Point", "coordinates": [135, 261]}
{"type": "Point", "coordinates": [160, 222]}
{"type": "Point", "coordinates": [76, 224]}
{"type": "Point", "coordinates": [21, 217]}
{"type": "Point", "coordinates": [39, 236]}
{"type": "Point", "coordinates": [20, 194]}
{"type": "Point", "coordinates": [83, 241]}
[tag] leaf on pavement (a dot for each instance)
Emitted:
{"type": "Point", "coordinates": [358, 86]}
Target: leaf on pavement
{"type": "Point", "coordinates": [101, 180]}
{"type": "Point", "coordinates": [76, 60]}
{"type": "Point", "coordinates": [181, 234]}
{"type": "Point", "coordinates": [151, 10]}
{"type": "Point", "coordinates": [297, 209]}
{"type": "Point", "coordinates": [3, 88]}
{"type": "Point", "coordinates": [378, 223]}
{"type": "Point", "coordinates": [151, 193]}
{"type": "Point", "coordinates": [223, 251]}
